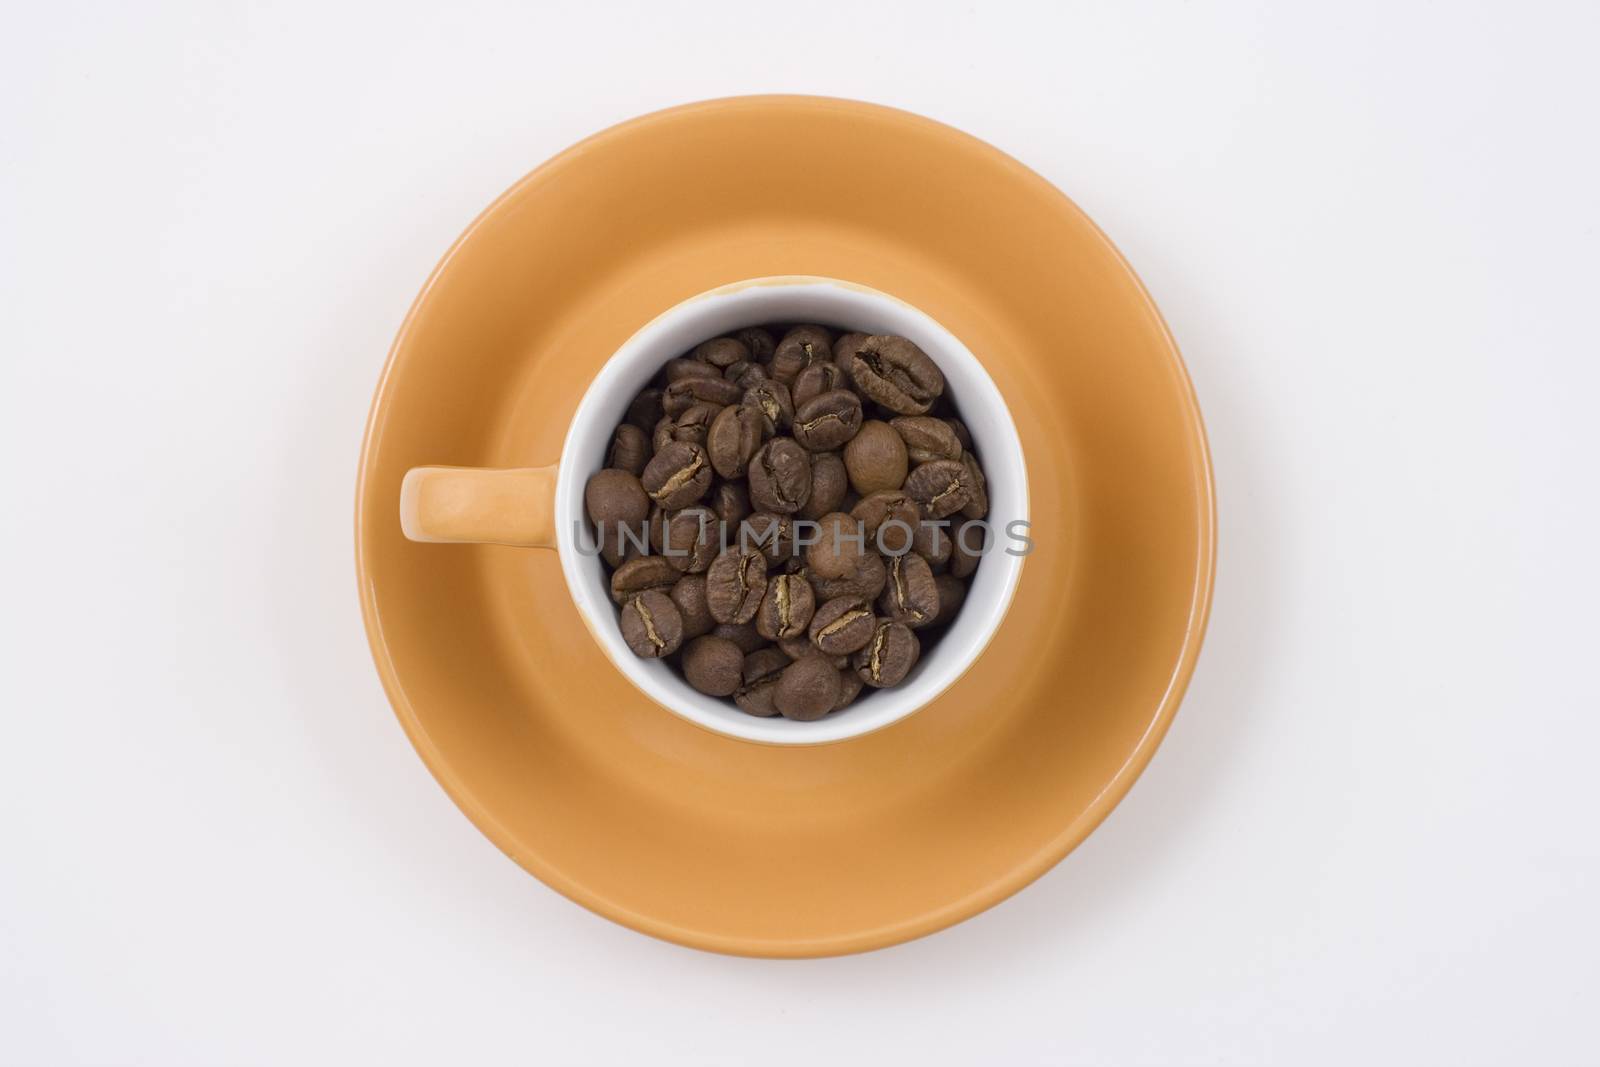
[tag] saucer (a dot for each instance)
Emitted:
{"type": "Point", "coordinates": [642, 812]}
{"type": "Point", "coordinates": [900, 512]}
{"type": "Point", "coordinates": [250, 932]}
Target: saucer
{"type": "Point", "coordinates": [727, 845]}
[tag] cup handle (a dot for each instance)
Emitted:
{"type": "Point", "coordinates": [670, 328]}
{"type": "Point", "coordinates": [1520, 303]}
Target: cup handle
{"type": "Point", "coordinates": [461, 505]}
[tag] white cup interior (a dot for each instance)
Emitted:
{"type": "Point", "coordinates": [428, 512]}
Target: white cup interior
{"type": "Point", "coordinates": [845, 306]}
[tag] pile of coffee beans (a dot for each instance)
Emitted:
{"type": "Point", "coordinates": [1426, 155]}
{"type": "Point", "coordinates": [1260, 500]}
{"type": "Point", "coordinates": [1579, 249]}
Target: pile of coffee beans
{"type": "Point", "coordinates": [789, 517]}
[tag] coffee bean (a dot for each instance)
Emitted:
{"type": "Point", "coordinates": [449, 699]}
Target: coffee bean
{"type": "Point", "coordinates": [772, 399]}
{"type": "Point", "coordinates": [842, 625]}
{"type": "Point", "coordinates": [734, 437]}
{"type": "Point", "coordinates": [927, 438]}
{"type": "Point", "coordinates": [722, 352]}
{"type": "Point", "coordinates": [866, 582]}
{"type": "Point", "coordinates": [747, 422]}
{"type": "Point", "coordinates": [678, 475]}
{"type": "Point", "coordinates": [677, 370]}
{"type": "Point", "coordinates": [630, 449]}
{"type": "Point", "coordinates": [780, 477]}
{"type": "Point", "coordinates": [896, 373]}
{"type": "Point", "coordinates": [968, 542]}
{"type": "Point", "coordinates": [786, 607]}
{"type": "Point", "coordinates": [910, 597]}
{"type": "Point", "coordinates": [829, 483]}
{"type": "Point", "coordinates": [651, 625]}
{"type": "Point", "coordinates": [940, 488]}
{"type": "Point", "coordinates": [730, 501]}
{"type": "Point", "coordinates": [952, 594]}
{"type": "Point", "coordinates": [691, 539]}
{"type": "Point", "coordinates": [875, 458]}
{"type": "Point", "coordinates": [840, 545]}
{"type": "Point", "coordinates": [612, 495]}
{"type": "Point", "coordinates": [742, 634]}
{"type": "Point", "coordinates": [850, 686]}
{"type": "Point", "coordinates": [844, 352]}
{"type": "Point", "coordinates": [878, 510]}
{"type": "Point", "coordinates": [888, 656]}
{"type": "Point", "coordinates": [645, 410]}
{"type": "Point", "coordinates": [759, 682]}
{"type": "Point", "coordinates": [713, 665]}
{"type": "Point", "coordinates": [800, 347]}
{"type": "Point", "coordinates": [771, 535]}
{"type": "Point", "coordinates": [932, 542]}
{"type": "Point", "coordinates": [807, 689]}
{"type": "Point", "coordinates": [690, 596]}
{"type": "Point", "coordinates": [826, 422]}
{"type": "Point", "coordinates": [681, 395]}
{"type": "Point", "coordinates": [800, 646]}
{"type": "Point", "coordinates": [977, 505]}
{"type": "Point", "coordinates": [815, 380]}
{"type": "Point", "coordinates": [760, 343]}
{"type": "Point", "coordinates": [642, 575]}
{"type": "Point", "coordinates": [735, 584]}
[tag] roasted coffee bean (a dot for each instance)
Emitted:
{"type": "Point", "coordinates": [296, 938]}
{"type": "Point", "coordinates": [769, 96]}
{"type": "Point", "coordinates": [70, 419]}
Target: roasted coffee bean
{"type": "Point", "coordinates": [875, 458]}
{"type": "Point", "coordinates": [680, 396]}
{"type": "Point", "coordinates": [651, 625]}
{"type": "Point", "coordinates": [758, 682]}
{"type": "Point", "coordinates": [888, 656]}
{"type": "Point", "coordinates": [734, 437]}
{"type": "Point", "coordinates": [977, 505]}
{"type": "Point", "coordinates": [731, 503]}
{"type": "Point", "coordinates": [677, 370]}
{"type": "Point", "coordinates": [642, 575]}
{"type": "Point", "coordinates": [815, 380]}
{"type": "Point", "coordinates": [760, 343]}
{"type": "Point", "coordinates": [841, 543]}
{"type": "Point", "coordinates": [952, 594]}
{"type": "Point", "coordinates": [678, 475]}
{"type": "Point", "coordinates": [866, 582]}
{"type": "Point", "coordinates": [890, 517]}
{"type": "Point", "coordinates": [826, 422]}
{"type": "Point", "coordinates": [722, 352]}
{"type": "Point", "coordinates": [910, 597]}
{"type": "Point", "coordinates": [844, 352]}
{"type": "Point", "coordinates": [749, 422]}
{"type": "Point", "coordinates": [772, 399]}
{"type": "Point", "coordinates": [713, 665]}
{"type": "Point", "coordinates": [959, 428]}
{"type": "Point", "coordinates": [800, 347]}
{"type": "Point", "coordinates": [850, 687]}
{"type": "Point", "coordinates": [630, 450]}
{"type": "Point", "coordinates": [771, 535]}
{"type": "Point", "coordinates": [940, 488]}
{"type": "Point", "coordinates": [896, 373]}
{"type": "Point", "coordinates": [786, 608]}
{"type": "Point", "coordinates": [613, 495]}
{"type": "Point", "coordinates": [927, 438]}
{"type": "Point", "coordinates": [742, 634]}
{"type": "Point", "coordinates": [829, 483]}
{"type": "Point", "coordinates": [800, 646]}
{"type": "Point", "coordinates": [968, 542]}
{"type": "Point", "coordinates": [692, 539]}
{"type": "Point", "coordinates": [611, 499]}
{"type": "Point", "coordinates": [931, 540]}
{"type": "Point", "coordinates": [735, 584]}
{"type": "Point", "coordinates": [690, 596]}
{"type": "Point", "coordinates": [645, 410]}
{"type": "Point", "coordinates": [807, 689]}
{"type": "Point", "coordinates": [780, 477]}
{"type": "Point", "coordinates": [842, 625]}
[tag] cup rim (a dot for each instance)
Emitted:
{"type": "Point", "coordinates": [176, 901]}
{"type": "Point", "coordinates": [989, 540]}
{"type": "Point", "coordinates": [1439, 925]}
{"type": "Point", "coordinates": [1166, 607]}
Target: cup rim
{"type": "Point", "coordinates": [738, 304]}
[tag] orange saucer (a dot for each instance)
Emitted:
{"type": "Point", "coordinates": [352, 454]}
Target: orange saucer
{"type": "Point", "coordinates": [722, 844]}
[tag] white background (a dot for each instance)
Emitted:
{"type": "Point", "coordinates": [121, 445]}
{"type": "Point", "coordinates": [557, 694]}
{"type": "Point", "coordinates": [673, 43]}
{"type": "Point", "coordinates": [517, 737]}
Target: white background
{"type": "Point", "coordinates": [1369, 837]}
